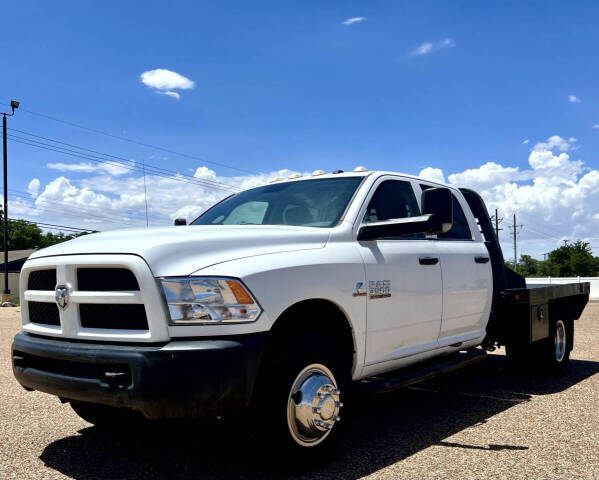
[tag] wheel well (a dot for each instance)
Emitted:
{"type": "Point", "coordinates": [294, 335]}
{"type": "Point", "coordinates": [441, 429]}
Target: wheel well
{"type": "Point", "coordinates": [320, 316]}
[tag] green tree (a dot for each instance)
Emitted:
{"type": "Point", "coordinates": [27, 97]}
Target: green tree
{"type": "Point", "coordinates": [23, 235]}
{"type": "Point", "coordinates": [575, 259]}
{"type": "Point", "coordinates": [528, 266]}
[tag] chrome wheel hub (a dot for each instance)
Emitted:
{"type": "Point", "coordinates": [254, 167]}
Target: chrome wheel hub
{"type": "Point", "coordinates": [313, 405]}
{"type": "Point", "coordinates": [560, 340]}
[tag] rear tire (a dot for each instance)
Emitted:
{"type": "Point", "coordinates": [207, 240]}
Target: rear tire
{"type": "Point", "coordinates": [299, 400]}
{"type": "Point", "coordinates": [108, 418]}
{"type": "Point", "coordinates": [554, 352]}
{"type": "Point", "coordinates": [551, 354]}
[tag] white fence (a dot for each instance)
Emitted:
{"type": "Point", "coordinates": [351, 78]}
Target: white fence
{"type": "Point", "coordinates": [561, 280]}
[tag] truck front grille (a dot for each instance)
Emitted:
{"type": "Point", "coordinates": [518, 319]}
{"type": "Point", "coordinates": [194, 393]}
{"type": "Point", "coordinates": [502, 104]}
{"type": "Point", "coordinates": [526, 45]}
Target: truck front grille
{"type": "Point", "coordinates": [106, 280]}
{"type": "Point", "coordinates": [44, 313]}
{"type": "Point", "coordinates": [102, 297]}
{"type": "Point", "coordinates": [114, 316]}
{"type": "Point", "coordinates": [42, 279]}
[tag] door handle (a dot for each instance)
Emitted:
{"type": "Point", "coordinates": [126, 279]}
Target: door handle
{"type": "Point", "coordinates": [481, 259]}
{"type": "Point", "coordinates": [428, 260]}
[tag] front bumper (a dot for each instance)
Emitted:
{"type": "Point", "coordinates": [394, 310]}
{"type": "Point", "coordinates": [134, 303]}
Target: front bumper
{"type": "Point", "coordinates": [180, 379]}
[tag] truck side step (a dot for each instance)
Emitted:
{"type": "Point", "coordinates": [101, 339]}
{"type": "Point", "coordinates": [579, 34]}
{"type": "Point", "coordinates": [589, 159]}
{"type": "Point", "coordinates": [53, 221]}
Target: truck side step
{"type": "Point", "coordinates": [405, 377]}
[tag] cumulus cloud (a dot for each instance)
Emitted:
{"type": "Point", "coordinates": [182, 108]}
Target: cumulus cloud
{"type": "Point", "coordinates": [34, 187]}
{"type": "Point", "coordinates": [556, 197]}
{"type": "Point", "coordinates": [574, 99]}
{"type": "Point", "coordinates": [432, 174]}
{"type": "Point", "coordinates": [103, 201]}
{"type": "Point", "coordinates": [557, 142]}
{"type": "Point", "coordinates": [165, 82]}
{"type": "Point", "coordinates": [352, 20]}
{"type": "Point", "coordinates": [428, 47]}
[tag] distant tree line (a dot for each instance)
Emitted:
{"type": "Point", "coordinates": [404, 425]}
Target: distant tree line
{"type": "Point", "coordinates": [23, 235]}
{"type": "Point", "coordinates": [572, 260]}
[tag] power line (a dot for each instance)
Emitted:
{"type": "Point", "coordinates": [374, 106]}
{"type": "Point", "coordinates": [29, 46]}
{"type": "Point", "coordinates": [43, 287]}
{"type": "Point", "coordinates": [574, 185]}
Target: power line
{"type": "Point", "coordinates": [86, 208]}
{"type": "Point", "coordinates": [129, 162]}
{"type": "Point", "coordinates": [58, 227]}
{"type": "Point", "coordinates": [136, 142]}
{"type": "Point", "coordinates": [154, 171]}
{"type": "Point", "coordinates": [74, 211]}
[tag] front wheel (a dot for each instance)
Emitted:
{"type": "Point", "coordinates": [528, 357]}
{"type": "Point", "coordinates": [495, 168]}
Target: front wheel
{"type": "Point", "coordinates": [298, 402]}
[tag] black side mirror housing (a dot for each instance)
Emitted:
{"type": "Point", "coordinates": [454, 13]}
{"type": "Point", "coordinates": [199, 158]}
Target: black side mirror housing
{"type": "Point", "coordinates": [438, 202]}
{"type": "Point", "coordinates": [436, 218]}
{"type": "Point", "coordinates": [180, 221]}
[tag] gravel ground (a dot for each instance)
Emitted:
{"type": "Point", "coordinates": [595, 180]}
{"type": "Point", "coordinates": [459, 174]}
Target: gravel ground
{"type": "Point", "coordinates": [482, 422]}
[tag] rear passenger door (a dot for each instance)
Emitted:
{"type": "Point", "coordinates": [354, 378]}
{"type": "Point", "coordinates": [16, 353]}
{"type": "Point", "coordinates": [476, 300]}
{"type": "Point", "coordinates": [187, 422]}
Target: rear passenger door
{"type": "Point", "coordinates": [467, 276]}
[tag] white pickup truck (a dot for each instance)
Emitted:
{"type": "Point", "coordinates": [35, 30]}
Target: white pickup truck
{"type": "Point", "coordinates": [279, 301]}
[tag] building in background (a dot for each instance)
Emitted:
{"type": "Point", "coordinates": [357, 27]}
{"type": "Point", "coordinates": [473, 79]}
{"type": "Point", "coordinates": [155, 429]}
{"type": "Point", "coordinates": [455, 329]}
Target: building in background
{"type": "Point", "coordinates": [16, 259]}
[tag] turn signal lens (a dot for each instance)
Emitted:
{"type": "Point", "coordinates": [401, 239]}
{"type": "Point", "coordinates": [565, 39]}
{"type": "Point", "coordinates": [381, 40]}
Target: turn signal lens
{"type": "Point", "coordinates": [241, 294]}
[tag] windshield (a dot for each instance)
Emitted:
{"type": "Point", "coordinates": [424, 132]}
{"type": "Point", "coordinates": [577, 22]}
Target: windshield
{"type": "Point", "coordinates": [308, 203]}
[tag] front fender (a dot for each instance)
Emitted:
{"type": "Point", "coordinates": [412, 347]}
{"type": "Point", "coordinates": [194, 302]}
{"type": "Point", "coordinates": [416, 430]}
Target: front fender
{"type": "Point", "coordinates": [281, 280]}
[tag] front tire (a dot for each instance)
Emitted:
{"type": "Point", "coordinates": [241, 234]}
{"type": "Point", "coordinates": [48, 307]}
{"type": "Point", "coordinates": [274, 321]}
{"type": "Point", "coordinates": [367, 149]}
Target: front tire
{"type": "Point", "coordinates": [298, 406]}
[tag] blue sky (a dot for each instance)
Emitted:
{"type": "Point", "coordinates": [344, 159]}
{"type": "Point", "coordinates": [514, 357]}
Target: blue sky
{"type": "Point", "coordinates": [288, 85]}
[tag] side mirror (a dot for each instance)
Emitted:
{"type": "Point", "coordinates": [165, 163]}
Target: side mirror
{"type": "Point", "coordinates": [437, 217]}
{"type": "Point", "coordinates": [180, 221]}
{"type": "Point", "coordinates": [438, 202]}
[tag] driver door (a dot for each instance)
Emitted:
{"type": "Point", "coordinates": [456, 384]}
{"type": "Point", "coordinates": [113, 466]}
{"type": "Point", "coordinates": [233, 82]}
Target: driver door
{"type": "Point", "coordinates": [403, 277]}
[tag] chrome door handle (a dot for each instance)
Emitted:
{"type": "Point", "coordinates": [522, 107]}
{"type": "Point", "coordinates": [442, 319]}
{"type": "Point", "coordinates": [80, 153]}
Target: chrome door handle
{"type": "Point", "coordinates": [428, 260]}
{"type": "Point", "coordinates": [481, 259]}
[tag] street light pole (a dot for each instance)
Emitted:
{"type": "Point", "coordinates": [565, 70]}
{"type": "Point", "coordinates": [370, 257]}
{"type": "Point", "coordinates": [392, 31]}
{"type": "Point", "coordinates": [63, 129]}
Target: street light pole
{"type": "Point", "coordinates": [6, 292]}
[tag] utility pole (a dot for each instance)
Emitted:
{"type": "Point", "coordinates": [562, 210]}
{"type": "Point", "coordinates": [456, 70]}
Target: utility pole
{"type": "Point", "coordinates": [497, 222]}
{"type": "Point", "coordinates": [565, 242]}
{"type": "Point", "coordinates": [143, 163]}
{"type": "Point", "coordinates": [545, 256]}
{"type": "Point", "coordinates": [6, 292]}
{"type": "Point", "coordinates": [515, 246]}
{"type": "Point", "coordinates": [515, 227]}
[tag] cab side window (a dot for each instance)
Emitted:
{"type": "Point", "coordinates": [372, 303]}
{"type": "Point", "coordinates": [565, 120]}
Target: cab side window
{"type": "Point", "coordinates": [460, 229]}
{"type": "Point", "coordinates": [393, 199]}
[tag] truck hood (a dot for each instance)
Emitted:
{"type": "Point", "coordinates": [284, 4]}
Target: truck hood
{"type": "Point", "coordinates": [182, 250]}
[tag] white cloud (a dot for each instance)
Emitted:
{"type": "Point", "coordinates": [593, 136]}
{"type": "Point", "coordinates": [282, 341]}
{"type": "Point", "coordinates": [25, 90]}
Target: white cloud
{"type": "Point", "coordinates": [428, 47]}
{"type": "Point", "coordinates": [353, 20]}
{"type": "Point", "coordinates": [34, 187]}
{"type": "Point", "coordinates": [432, 174]}
{"type": "Point", "coordinates": [556, 194]}
{"type": "Point", "coordinates": [557, 197]}
{"type": "Point", "coordinates": [525, 142]}
{"type": "Point", "coordinates": [574, 99]}
{"type": "Point", "coordinates": [86, 167]}
{"type": "Point", "coordinates": [166, 81]}
{"type": "Point", "coordinates": [172, 94]}
{"type": "Point", "coordinates": [556, 142]}
{"type": "Point", "coordinates": [596, 125]}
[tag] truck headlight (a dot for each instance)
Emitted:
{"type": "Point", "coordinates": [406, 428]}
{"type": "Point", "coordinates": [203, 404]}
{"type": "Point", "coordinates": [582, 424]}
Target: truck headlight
{"type": "Point", "coordinates": [208, 300]}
